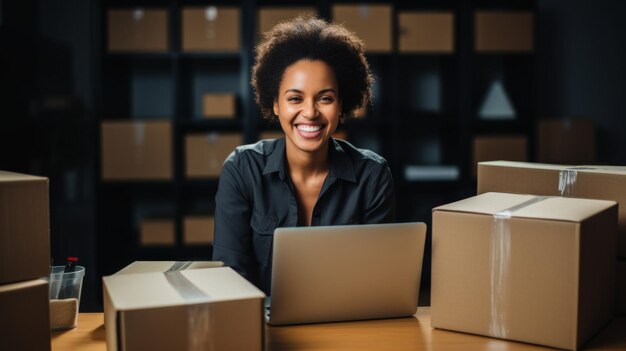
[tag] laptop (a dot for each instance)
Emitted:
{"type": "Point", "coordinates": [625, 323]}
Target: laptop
{"type": "Point", "coordinates": [342, 273]}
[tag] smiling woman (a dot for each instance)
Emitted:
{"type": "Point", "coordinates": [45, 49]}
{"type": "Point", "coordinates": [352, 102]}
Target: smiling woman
{"type": "Point", "coordinates": [309, 76]}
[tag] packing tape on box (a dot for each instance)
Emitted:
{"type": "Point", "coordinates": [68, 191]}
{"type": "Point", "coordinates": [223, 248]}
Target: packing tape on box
{"type": "Point", "coordinates": [499, 261]}
{"type": "Point", "coordinates": [199, 322]}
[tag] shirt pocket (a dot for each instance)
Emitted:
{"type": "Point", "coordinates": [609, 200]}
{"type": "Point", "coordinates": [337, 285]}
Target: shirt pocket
{"type": "Point", "coordinates": [262, 236]}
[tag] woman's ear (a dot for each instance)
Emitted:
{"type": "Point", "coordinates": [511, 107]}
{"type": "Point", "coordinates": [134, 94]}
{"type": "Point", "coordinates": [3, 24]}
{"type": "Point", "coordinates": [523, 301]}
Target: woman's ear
{"type": "Point", "coordinates": [276, 107]}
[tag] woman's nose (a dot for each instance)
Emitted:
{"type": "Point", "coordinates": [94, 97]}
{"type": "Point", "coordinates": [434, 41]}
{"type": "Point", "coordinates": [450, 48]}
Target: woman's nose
{"type": "Point", "coordinates": [310, 110]}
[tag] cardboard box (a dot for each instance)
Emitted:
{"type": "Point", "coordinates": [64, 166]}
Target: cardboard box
{"type": "Point", "coordinates": [544, 273]}
{"type": "Point", "coordinates": [269, 16]}
{"type": "Point", "coordinates": [218, 106]}
{"type": "Point", "coordinates": [25, 322]}
{"type": "Point", "coordinates": [371, 22]}
{"type": "Point", "coordinates": [589, 182]}
{"type": "Point", "coordinates": [503, 31]}
{"type": "Point", "coordinates": [566, 141]}
{"type": "Point", "coordinates": [136, 150]}
{"type": "Point", "coordinates": [137, 30]}
{"type": "Point", "coordinates": [499, 147]}
{"type": "Point", "coordinates": [621, 288]}
{"type": "Point", "coordinates": [198, 230]}
{"type": "Point", "coordinates": [211, 28]}
{"type": "Point", "coordinates": [214, 308]}
{"type": "Point", "coordinates": [167, 266]}
{"type": "Point", "coordinates": [431, 32]}
{"type": "Point", "coordinates": [157, 232]}
{"type": "Point", "coordinates": [24, 227]}
{"type": "Point", "coordinates": [205, 153]}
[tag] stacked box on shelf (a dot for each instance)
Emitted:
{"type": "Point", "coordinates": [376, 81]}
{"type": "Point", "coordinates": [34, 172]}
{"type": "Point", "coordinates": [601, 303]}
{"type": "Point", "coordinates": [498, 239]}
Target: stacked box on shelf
{"type": "Point", "coordinates": [208, 308]}
{"type": "Point", "coordinates": [134, 150]}
{"type": "Point", "coordinates": [137, 30]}
{"type": "Point", "coordinates": [157, 232]}
{"type": "Point", "coordinates": [360, 18]}
{"type": "Point", "coordinates": [221, 105]}
{"type": "Point", "coordinates": [503, 31]}
{"type": "Point", "coordinates": [198, 230]}
{"type": "Point", "coordinates": [205, 153]}
{"type": "Point", "coordinates": [523, 267]}
{"type": "Point", "coordinates": [431, 32]}
{"type": "Point", "coordinates": [211, 29]}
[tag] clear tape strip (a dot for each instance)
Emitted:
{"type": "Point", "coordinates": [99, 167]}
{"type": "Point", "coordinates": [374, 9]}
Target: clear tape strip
{"type": "Point", "coordinates": [500, 260]}
{"type": "Point", "coordinates": [567, 181]}
{"type": "Point", "coordinates": [179, 266]}
{"type": "Point", "coordinates": [199, 321]}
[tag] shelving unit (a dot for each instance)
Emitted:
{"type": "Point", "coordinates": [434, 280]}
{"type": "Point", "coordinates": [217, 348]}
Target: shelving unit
{"type": "Point", "coordinates": [425, 114]}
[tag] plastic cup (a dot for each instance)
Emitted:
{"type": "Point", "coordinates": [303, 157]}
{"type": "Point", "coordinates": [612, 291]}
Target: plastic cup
{"type": "Point", "coordinates": [64, 293]}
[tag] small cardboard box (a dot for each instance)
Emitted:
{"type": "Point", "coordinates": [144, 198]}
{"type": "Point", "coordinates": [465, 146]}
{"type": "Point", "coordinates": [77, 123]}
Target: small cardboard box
{"type": "Point", "coordinates": [589, 182]}
{"type": "Point", "coordinates": [503, 31]}
{"type": "Point", "coordinates": [565, 141]}
{"type": "Point", "coordinates": [205, 153]}
{"type": "Point", "coordinates": [25, 310]}
{"type": "Point", "coordinates": [371, 22]}
{"type": "Point", "coordinates": [200, 309]}
{"type": "Point", "coordinates": [137, 30]}
{"type": "Point", "coordinates": [621, 287]}
{"type": "Point", "coordinates": [211, 28]}
{"type": "Point", "coordinates": [157, 232]}
{"type": "Point", "coordinates": [166, 266]}
{"type": "Point", "coordinates": [270, 16]}
{"type": "Point", "coordinates": [499, 147]}
{"type": "Point", "coordinates": [218, 105]}
{"type": "Point", "coordinates": [136, 150]}
{"type": "Point", "coordinates": [520, 267]}
{"type": "Point", "coordinates": [24, 227]}
{"type": "Point", "coordinates": [426, 32]}
{"type": "Point", "coordinates": [198, 230]}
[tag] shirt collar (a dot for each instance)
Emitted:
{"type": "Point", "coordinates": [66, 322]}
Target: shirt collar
{"type": "Point", "coordinates": [341, 165]}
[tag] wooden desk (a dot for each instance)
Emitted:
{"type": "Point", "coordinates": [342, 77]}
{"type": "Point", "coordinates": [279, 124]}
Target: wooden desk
{"type": "Point", "coordinates": [389, 334]}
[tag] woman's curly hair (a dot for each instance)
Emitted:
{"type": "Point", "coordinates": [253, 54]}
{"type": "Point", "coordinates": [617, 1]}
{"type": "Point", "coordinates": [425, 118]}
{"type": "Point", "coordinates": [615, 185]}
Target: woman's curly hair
{"type": "Point", "coordinates": [314, 39]}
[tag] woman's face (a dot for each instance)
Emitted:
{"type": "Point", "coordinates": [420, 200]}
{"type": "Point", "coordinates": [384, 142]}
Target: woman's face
{"type": "Point", "coordinates": [308, 105]}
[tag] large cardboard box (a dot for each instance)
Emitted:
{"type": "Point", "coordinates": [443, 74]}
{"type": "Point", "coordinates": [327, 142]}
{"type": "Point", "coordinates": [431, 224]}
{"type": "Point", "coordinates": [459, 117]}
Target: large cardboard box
{"type": "Point", "coordinates": [24, 227]}
{"type": "Point", "coordinates": [371, 22]}
{"type": "Point", "coordinates": [167, 266]}
{"type": "Point", "coordinates": [503, 31]}
{"type": "Point", "coordinates": [621, 287]}
{"type": "Point", "coordinates": [205, 153]}
{"type": "Point", "coordinates": [589, 182]}
{"type": "Point", "coordinates": [199, 309]}
{"type": "Point", "coordinates": [218, 105]}
{"type": "Point", "coordinates": [534, 269]}
{"type": "Point", "coordinates": [270, 16]}
{"type": "Point", "coordinates": [157, 232]}
{"type": "Point", "coordinates": [198, 230]}
{"type": "Point", "coordinates": [426, 32]}
{"type": "Point", "coordinates": [211, 28]}
{"type": "Point", "coordinates": [565, 141]}
{"type": "Point", "coordinates": [137, 30]}
{"type": "Point", "coordinates": [499, 147]}
{"type": "Point", "coordinates": [136, 150]}
{"type": "Point", "coordinates": [25, 311]}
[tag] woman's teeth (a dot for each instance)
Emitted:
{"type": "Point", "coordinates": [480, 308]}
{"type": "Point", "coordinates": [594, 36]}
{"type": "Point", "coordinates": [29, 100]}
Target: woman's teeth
{"type": "Point", "coordinates": [309, 128]}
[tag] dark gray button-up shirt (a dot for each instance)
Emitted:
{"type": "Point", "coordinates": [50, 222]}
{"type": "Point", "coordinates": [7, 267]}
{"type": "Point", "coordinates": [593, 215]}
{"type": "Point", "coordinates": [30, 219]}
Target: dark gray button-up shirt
{"type": "Point", "coordinates": [255, 196]}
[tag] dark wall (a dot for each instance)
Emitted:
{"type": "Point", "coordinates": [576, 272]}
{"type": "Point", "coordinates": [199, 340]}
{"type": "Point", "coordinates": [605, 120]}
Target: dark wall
{"type": "Point", "coordinates": [581, 65]}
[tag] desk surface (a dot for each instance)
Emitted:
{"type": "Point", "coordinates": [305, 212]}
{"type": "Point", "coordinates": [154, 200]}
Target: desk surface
{"type": "Point", "coordinates": [399, 334]}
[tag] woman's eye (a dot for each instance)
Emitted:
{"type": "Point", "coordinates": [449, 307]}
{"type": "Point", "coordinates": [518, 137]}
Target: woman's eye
{"type": "Point", "coordinates": [327, 99]}
{"type": "Point", "coordinates": [293, 99]}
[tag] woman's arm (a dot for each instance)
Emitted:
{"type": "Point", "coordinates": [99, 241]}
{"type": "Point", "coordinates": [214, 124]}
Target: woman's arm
{"type": "Point", "coordinates": [233, 240]}
{"type": "Point", "coordinates": [380, 206]}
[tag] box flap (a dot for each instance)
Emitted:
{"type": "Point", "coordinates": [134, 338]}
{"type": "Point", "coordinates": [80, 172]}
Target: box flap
{"type": "Point", "coordinates": [149, 290]}
{"type": "Point", "coordinates": [4, 288]}
{"type": "Point", "coordinates": [548, 208]}
{"type": "Point", "coordinates": [162, 266]}
{"type": "Point", "coordinates": [582, 168]}
{"type": "Point", "coordinates": [18, 177]}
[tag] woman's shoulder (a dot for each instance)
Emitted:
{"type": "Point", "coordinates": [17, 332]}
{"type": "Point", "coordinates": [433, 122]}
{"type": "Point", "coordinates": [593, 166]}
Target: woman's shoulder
{"type": "Point", "coordinates": [255, 152]}
{"type": "Point", "coordinates": [359, 154]}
